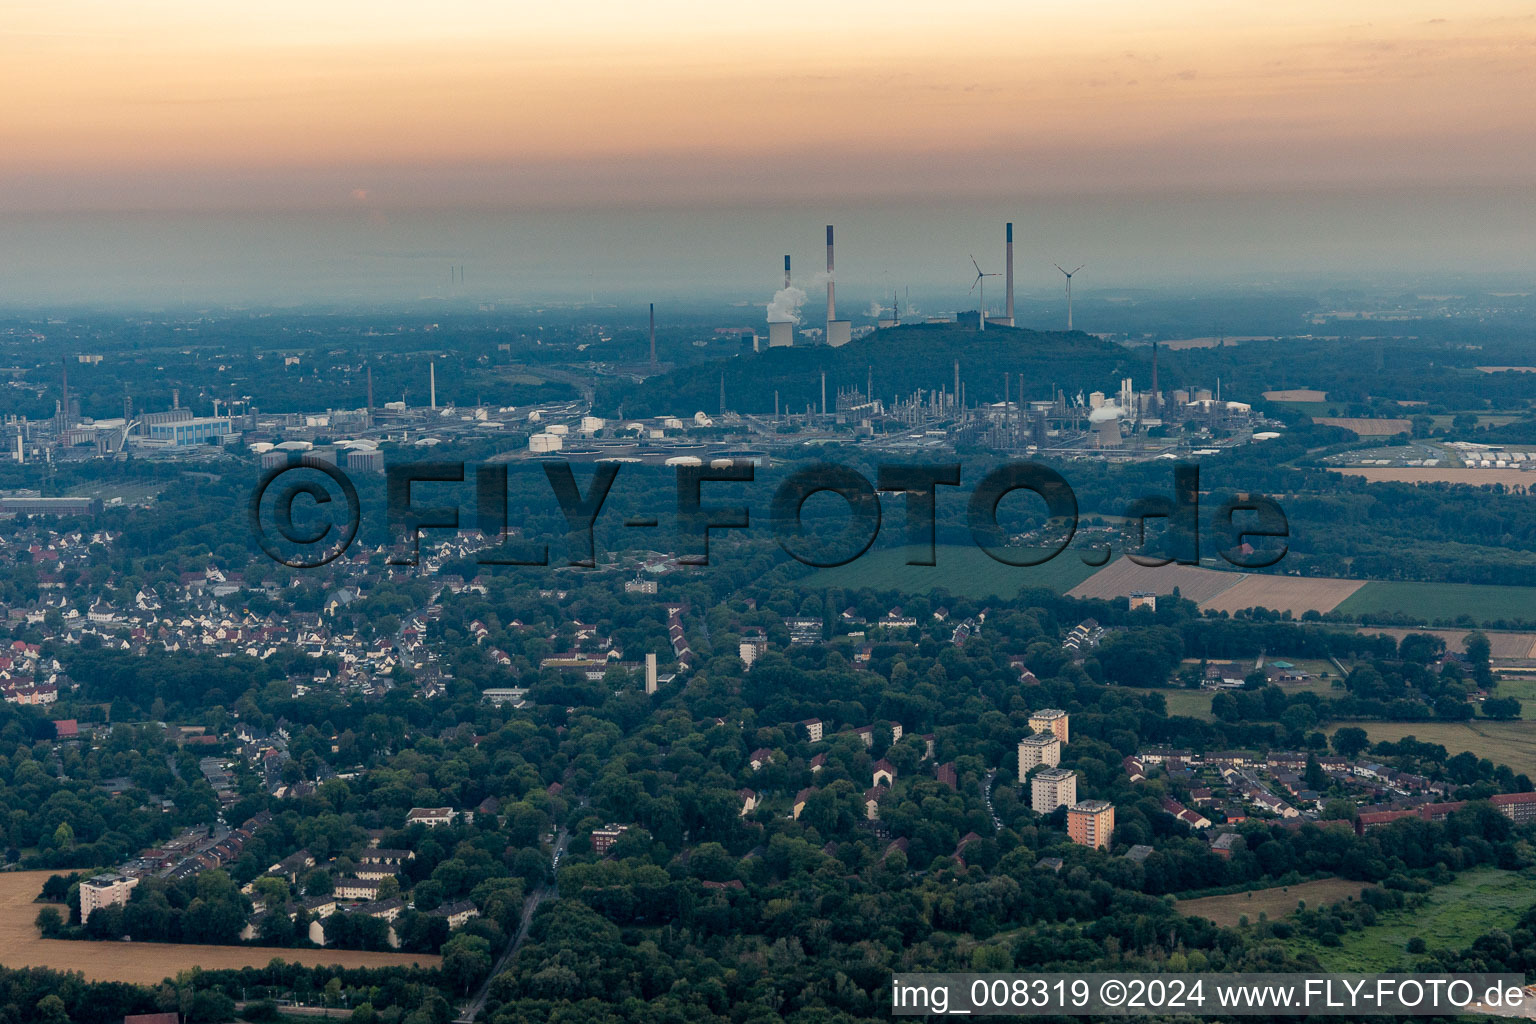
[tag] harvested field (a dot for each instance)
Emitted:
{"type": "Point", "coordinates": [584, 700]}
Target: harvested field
{"type": "Point", "coordinates": [1296, 594]}
{"type": "Point", "coordinates": [1366, 427]}
{"type": "Point", "coordinates": [1276, 902]}
{"type": "Point", "coordinates": [1211, 588]}
{"type": "Point", "coordinates": [1510, 646]}
{"type": "Point", "coordinates": [1439, 475]}
{"type": "Point", "coordinates": [1296, 395]}
{"type": "Point", "coordinates": [146, 963]}
{"type": "Point", "coordinates": [1123, 577]}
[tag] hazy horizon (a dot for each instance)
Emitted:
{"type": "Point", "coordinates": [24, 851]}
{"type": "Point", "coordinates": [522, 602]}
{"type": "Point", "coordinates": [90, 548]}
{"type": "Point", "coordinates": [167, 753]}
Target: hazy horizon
{"type": "Point", "coordinates": [382, 257]}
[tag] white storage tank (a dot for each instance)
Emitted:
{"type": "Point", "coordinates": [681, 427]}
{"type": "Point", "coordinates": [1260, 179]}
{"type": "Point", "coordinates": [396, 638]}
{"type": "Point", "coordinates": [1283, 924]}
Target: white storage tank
{"type": "Point", "coordinates": [545, 443]}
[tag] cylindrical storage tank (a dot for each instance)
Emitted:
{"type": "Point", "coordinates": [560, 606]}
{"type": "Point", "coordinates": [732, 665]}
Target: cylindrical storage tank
{"type": "Point", "coordinates": [557, 428]}
{"type": "Point", "coordinates": [591, 424]}
{"type": "Point", "coordinates": [545, 443]}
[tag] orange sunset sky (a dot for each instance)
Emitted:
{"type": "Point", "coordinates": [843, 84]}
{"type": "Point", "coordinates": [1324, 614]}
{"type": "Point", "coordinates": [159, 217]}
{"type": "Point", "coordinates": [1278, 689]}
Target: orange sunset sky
{"type": "Point", "coordinates": [610, 100]}
{"type": "Point", "coordinates": [1175, 138]}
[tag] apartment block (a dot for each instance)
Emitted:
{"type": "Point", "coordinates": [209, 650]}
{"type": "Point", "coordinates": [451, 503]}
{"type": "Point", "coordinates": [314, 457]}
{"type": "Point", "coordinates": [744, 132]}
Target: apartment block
{"type": "Point", "coordinates": [1052, 720]}
{"type": "Point", "coordinates": [1041, 748]}
{"type": "Point", "coordinates": [104, 891]}
{"type": "Point", "coordinates": [1051, 789]}
{"type": "Point", "coordinates": [1091, 823]}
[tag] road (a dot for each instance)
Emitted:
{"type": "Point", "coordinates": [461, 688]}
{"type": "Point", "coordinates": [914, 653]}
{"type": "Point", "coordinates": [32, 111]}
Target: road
{"type": "Point", "coordinates": [469, 1011]}
{"type": "Point", "coordinates": [986, 795]}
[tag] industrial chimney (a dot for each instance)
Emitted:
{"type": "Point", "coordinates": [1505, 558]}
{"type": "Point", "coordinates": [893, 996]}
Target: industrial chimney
{"type": "Point", "coordinates": [1009, 278]}
{"type": "Point", "coordinates": [653, 335]}
{"type": "Point", "coordinates": [786, 270]}
{"type": "Point", "coordinates": [838, 331]}
{"type": "Point", "coordinates": [432, 383]}
{"type": "Point", "coordinates": [831, 286]}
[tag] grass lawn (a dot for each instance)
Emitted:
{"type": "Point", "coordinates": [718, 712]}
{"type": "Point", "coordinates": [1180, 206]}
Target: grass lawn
{"type": "Point", "coordinates": [963, 570]}
{"type": "Point", "coordinates": [1477, 902]}
{"type": "Point", "coordinates": [1521, 686]}
{"type": "Point", "coordinates": [1431, 602]}
{"type": "Point", "coordinates": [1511, 743]}
{"type": "Point", "coordinates": [1197, 703]}
{"type": "Point", "coordinates": [1189, 703]}
{"type": "Point", "coordinates": [1314, 408]}
{"type": "Point", "coordinates": [1277, 902]}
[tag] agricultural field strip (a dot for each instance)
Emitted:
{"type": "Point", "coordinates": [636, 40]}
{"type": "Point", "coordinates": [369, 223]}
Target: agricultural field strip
{"type": "Point", "coordinates": [146, 963]}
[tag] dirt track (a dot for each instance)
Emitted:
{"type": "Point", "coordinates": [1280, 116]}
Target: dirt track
{"type": "Point", "coordinates": [145, 963]}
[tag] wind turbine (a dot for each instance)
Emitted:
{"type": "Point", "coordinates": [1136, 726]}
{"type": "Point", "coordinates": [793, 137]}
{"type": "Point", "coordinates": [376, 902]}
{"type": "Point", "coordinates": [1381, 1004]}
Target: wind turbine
{"type": "Point", "coordinates": [1069, 274]}
{"type": "Point", "coordinates": [981, 279]}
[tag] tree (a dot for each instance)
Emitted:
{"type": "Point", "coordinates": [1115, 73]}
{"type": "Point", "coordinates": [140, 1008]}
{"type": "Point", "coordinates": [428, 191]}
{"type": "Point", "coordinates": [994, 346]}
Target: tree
{"type": "Point", "coordinates": [50, 922]}
{"type": "Point", "coordinates": [1478, 652]}
{"type": "Point", "coordinates": [1502, 708]}
{"type": "Point", "coordinates": [1350, 741]}
{"type": "Point", "coordinates": [273, 891]}
{"type": "Point", "coordinates": [466, 960]}
{"type": "Point", "coordinates": [50, 1010]}
{"type": "Point", "coordinates": [1317, 779]}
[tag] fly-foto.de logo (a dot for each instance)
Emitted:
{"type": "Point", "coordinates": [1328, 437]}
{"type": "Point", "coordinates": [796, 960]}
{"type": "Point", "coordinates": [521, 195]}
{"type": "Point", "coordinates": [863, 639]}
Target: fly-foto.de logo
{"type": "Point", "coordinates": [305, 520]}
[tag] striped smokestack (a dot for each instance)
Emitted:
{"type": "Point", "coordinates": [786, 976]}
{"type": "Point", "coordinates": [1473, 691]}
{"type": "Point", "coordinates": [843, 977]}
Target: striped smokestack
{"type": "Point", "coordinates": [831, 288]}
{"type": "Point", "coordinates": [1010, 273]}
{"type": "Point", "coordinates": [786, 270]}
{"type": "Point", "coordinates": [653, 334]}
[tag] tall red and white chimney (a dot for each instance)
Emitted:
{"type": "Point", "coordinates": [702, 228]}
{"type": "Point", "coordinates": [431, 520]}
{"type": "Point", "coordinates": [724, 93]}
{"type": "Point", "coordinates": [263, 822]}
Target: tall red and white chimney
{"type": "Point", "coordinates": [1010, 274]}
{"type": "Point", "coordinates": [831, 287]}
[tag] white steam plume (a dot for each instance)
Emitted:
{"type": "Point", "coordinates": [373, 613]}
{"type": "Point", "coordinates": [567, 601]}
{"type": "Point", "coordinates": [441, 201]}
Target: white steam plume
{"type": "Point", "coordinates": [786, 305]}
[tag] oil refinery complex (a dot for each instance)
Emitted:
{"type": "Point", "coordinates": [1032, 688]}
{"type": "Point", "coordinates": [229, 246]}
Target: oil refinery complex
{"type": "Point", "coordinates": [1118, 423]}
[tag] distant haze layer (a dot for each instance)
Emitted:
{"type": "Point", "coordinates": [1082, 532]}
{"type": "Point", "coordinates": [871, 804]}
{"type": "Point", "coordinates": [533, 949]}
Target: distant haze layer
{"type": "Point", "coordinates": [619, 254]}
